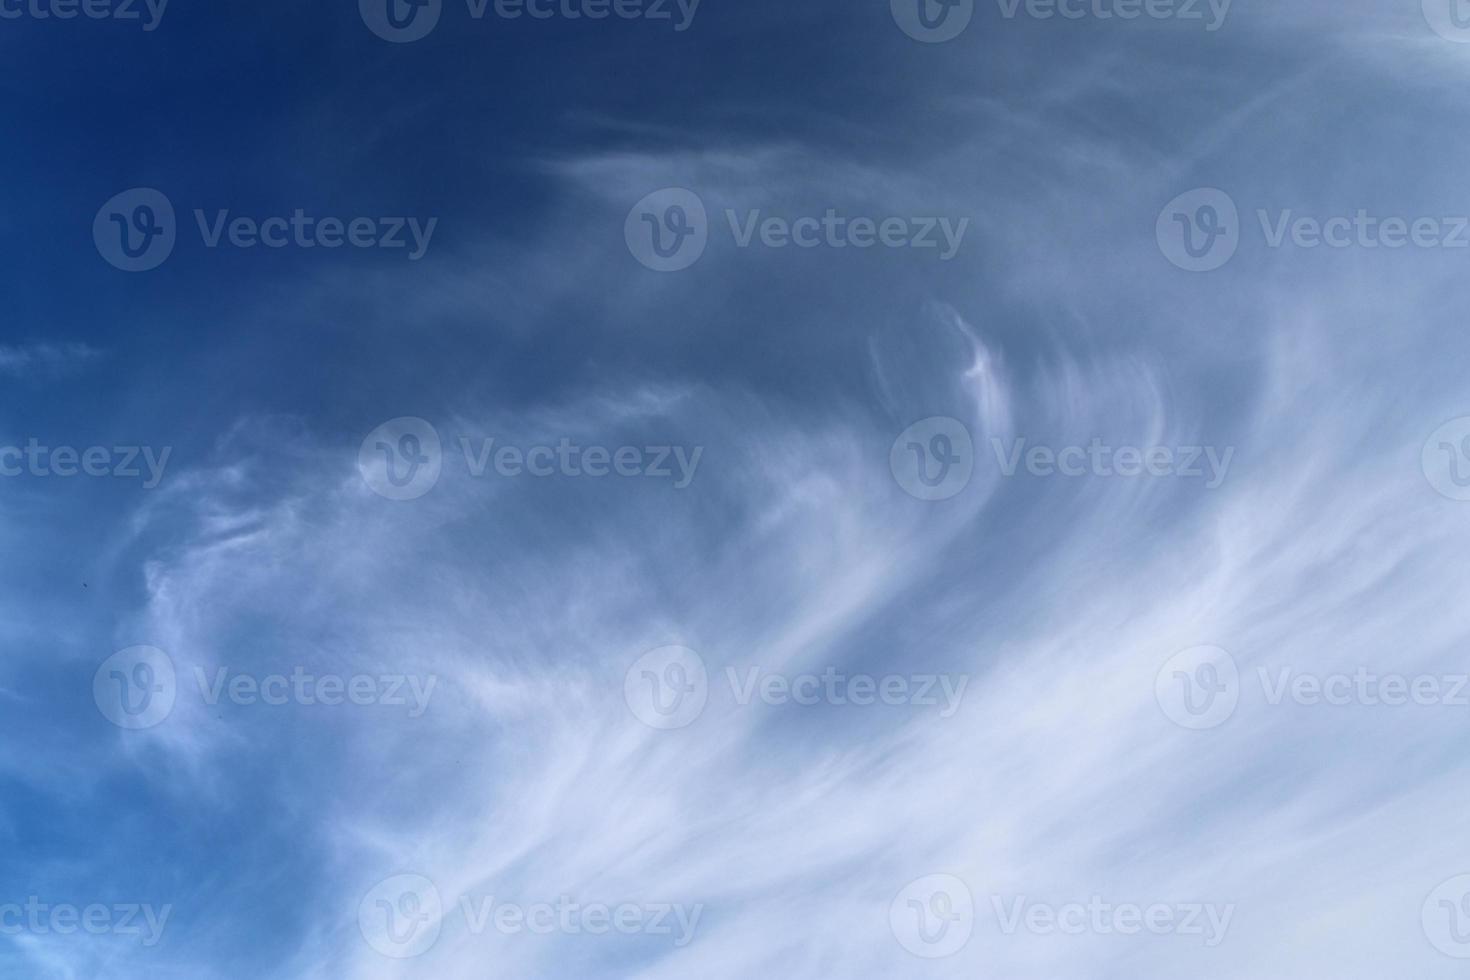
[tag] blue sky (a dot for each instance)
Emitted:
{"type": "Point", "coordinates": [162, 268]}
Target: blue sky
{"type": "Point", "coordinates": [829, 605]}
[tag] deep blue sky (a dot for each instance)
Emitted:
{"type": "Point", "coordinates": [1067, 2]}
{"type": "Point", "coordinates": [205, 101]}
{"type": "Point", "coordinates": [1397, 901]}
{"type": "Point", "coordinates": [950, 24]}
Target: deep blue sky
{"type": "Point", "coordinates": [1061, 320]}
